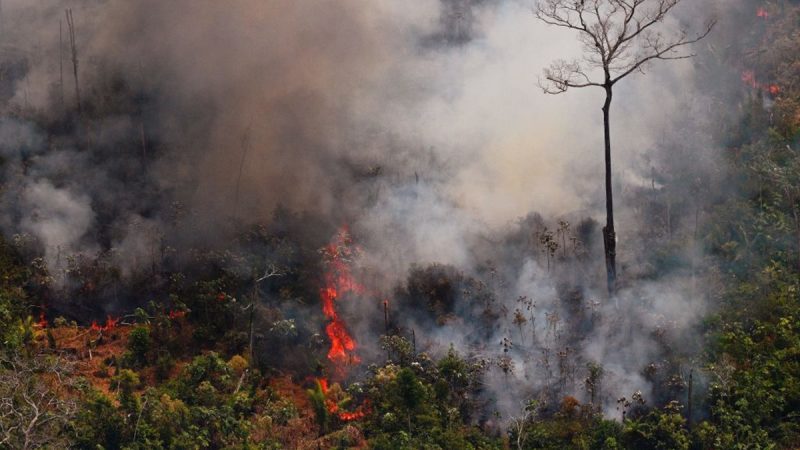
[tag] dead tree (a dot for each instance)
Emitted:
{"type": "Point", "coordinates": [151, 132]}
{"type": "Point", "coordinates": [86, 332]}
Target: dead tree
{"type": "Point", "coordinates": [74, 53]}
{"type": "Point", "coordinates": [245, 145]}
{"type": "Point", "coordinates": [619, 37]}
{"type": "Point", "coordinates": [61, 60]}
{"type": "Point", "coordinates": [270, 272]}
{"type": "Point", "coordinates": [34, 404]}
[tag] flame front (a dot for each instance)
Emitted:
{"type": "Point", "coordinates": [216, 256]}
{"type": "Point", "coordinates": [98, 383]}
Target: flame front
{"type": "Point", "coordinates": [339, 281]}
{"type": "Point", "coordinates": [333, 407]}
{"type": "Point", "coordinates": [111, 323]}
{"type": "Point", "coordinates": [749, 78]}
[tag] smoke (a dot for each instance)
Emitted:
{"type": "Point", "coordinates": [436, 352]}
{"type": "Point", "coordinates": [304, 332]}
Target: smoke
{"type": "Point", "coordinates": [58, 217]}
{"type": "Point", "coordinates": [421, 125]}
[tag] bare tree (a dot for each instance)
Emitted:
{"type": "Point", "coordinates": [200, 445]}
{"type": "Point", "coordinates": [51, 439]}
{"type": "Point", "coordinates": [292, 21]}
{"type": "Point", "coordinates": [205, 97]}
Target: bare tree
{"type": "Point", "coordinates": [518, 425]}
{"type": "Point", "coordinates": [74, 53]}
{"type": "Point", "coordinates": [35, 406]}
{"type": "Point", "coordinates": [271, 271]}
{"type": "Point", "coordinates": [245, 144]}
{"type": "Point", "coordinates": [61, 60]}
{"type": "Point", "coordinates": [619, 37]}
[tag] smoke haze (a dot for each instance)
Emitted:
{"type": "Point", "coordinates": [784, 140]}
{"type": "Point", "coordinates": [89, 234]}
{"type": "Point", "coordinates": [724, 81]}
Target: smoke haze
{"type": "Point", "coordinates": [420, 124]}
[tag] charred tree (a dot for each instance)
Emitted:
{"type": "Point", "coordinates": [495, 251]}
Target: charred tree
{"type": "Point", "coordinates": [74, 55]}
{"type": "Point", "coordinates": [61, 61]}
{"type": "Point", "coordinates": [245, 145]}
{"type": "Point", "coordinates": [619, 38]}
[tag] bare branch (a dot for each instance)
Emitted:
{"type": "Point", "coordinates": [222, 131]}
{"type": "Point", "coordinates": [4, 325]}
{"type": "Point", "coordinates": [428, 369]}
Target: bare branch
{"type": "Point", "coordinates": [33, 406]}
{"type": "Point", "coordinates": [271, 271]}
{"type": "Point", "coordinates": [663, 51]}
{"type": "Point", "coordinates": [563, 75]}
{"type": "Point", "coordinates": [619, 37]}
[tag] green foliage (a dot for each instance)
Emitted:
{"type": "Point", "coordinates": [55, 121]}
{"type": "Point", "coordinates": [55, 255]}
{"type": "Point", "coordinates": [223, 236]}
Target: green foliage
{"type": "Point", "coordinates": [213, 308]}
{"type": "Point", "coordinates": [202, 408]}
{"type": "Point", "coordinates": [317, 398]}
{"type": "Point", "coordinates": [420, 406]}
{"type": "Point", "coordinates": [658, 430]}
{"type": "Point", "coordinates": [15, 326]}
{"type": "Point", "coordinates": [98, 424]}
{"type": "Point", "coordinates": [573, 426]}
{"type": "Point", "coordinates": [164, 364]}
{"type": "Point", "coordinates": [139, 346]}
{"type": "Point", "coordinates": [755, 392]}
{"type": "Point", "coordinates": [127, 381]}
{"type": "Point", "coordinates": [410, 392]}
{"type": "Point", "coordinates": [398, 348]}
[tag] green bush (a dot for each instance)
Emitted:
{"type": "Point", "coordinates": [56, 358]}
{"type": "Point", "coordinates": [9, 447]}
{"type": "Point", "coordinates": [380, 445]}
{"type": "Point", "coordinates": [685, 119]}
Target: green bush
{"type": "Point", "coordinates": [139, 344]}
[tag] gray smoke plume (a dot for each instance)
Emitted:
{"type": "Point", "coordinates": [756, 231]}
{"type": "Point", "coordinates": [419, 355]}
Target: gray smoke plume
{"type": "Point", "coordinates": [419, 124]}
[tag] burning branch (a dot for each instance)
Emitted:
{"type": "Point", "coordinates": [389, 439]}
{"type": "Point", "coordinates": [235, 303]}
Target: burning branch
{"type": "Point", "coordinates": [339, 280]}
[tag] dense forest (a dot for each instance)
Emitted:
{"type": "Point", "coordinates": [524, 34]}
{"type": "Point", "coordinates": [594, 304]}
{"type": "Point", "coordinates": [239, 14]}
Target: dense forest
{"type": "Point", "coordinates": [211, 238]}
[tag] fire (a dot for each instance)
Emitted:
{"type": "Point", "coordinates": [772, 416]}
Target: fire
{"type": "Point", "coordinates": [176, 314]}
{"type": "Point", "coordinates": [342, 345]}
{"type": "Point", "coordinates": [774, 89]}
{"type": "Point", "coordinates": [333, 407]}
{"type": "Point", "coordinates": [762, 13]}
{"type": "Point", "coordinates": [749, 78]}
{"type": "Point", "coordinates": [111, 323]}
{"type": "Point", "coordinates": [323, 384]}
{"type": "Point", "coordinates": [338, 281]}
{"type": "Point", "coordinates": [349, 416]}
{"type": "Point", "coordinates": [42, 323]}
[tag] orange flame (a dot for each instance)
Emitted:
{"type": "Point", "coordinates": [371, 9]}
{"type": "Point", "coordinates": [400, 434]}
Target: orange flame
{"type": "Point", "coordinates": [762, 13]}
{"type": "Point", "coordinates": [774, 89]}
{"type": "Point", "coordinates": [339, 280]}
{"type": "Point", "coordinates": [333, 407]}
{"type": "Point", "coordinates": [749, 78]}
{"type": "Point", "coordinates": [111, 323]}
{"type": "Point", "coordinates": [176, 314]}
{"type": "Point", "coordinates": [42, 323]}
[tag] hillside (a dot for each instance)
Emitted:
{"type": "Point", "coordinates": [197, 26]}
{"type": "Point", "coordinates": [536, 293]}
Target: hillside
{"type": "Point", "coordinates": [305, 225]}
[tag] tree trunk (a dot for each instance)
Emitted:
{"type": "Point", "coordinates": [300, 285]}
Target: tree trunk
{"type": "Point", "coordinates": [250, 326]}
{"type": "Point", "coordinates": [74, 52]}
{"type": "Point", "coordinates": [609, 235]}
{"type": "Point", "coordinates": [689, 400]}
{"type": "Point", "coordinates": [61, 61]}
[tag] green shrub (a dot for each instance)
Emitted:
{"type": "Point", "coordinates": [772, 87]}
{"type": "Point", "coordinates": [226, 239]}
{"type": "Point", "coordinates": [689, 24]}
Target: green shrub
{"type": "Point", "coordinates": [139, 345]}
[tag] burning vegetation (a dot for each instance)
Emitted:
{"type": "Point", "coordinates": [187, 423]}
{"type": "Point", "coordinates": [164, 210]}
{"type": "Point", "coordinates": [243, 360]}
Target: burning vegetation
{"type": "Point", "coordinates": [174, 272]}
{"type": "Point", "coordinates": [339, 282]}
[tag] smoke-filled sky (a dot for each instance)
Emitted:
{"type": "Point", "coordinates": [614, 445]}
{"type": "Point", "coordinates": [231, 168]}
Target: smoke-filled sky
{"type": "Point", "coordinates": [319, 94]}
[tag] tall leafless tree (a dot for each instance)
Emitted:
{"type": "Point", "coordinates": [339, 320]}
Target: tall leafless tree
{"type": "Point", "coordinates": [74, 53]}
{"type": "Point", "coordinates": [61, 60]}
{"type": "Point", "coordinates": [35, 403]}
{"type": "Point", "coordinates": [619, 37]}
{"type": "Point", "coordinates": [271, 271]}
